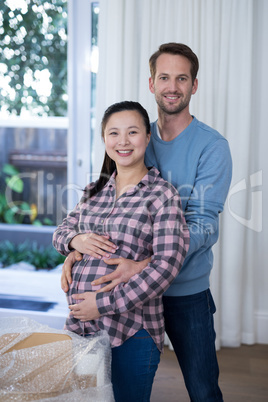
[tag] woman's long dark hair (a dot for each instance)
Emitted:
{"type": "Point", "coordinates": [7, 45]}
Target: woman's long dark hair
{"type": "Point", "coordinates": [109, 166]}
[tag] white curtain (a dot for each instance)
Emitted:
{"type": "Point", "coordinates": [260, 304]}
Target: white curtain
{"type": "Point", "coordinates": [230, 39]}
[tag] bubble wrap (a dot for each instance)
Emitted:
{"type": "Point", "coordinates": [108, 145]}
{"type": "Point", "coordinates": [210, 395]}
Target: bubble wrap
{"type": "Point", "coordinates": [72, 368]}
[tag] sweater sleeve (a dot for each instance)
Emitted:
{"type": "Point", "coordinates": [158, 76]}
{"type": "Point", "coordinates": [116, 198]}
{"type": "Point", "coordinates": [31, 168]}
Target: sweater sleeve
{"type": "Point", "coordinates": [208, 195]}
{"type": "Point", "coordinates": [170, 245]}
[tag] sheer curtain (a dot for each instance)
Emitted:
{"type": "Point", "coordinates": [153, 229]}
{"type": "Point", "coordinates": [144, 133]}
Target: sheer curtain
{"type": "Point", "coordinates": [229, 37]}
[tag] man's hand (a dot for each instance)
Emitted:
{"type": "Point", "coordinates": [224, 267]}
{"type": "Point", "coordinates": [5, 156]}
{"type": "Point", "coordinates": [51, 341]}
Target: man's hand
{"type": "Point", "coordinates": [125, 270]}
{"type": "Point", "coordinates": [66, 275]}
{"type": "Point", "coordinates": [87, 309]}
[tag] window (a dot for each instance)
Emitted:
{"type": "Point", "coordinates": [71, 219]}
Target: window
{"type": "Point", "coordinates": [33, 52]}
{"type": "Point", "coordinates": [36, 93]}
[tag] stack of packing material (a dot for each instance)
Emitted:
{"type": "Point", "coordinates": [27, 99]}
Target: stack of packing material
{"type": "Point", "coordinates": [39, 363]}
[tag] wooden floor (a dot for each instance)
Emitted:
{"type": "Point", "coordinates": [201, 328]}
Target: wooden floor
{"type": "Point", "coordinates": [243, 376]}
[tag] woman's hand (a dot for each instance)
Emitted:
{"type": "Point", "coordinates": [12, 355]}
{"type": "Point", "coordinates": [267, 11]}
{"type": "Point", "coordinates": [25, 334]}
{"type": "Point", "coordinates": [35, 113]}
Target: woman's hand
{"type": "Point", "coordinates": [92, 244]}
{"type": "Point", "coordinates": [89, 243]}
{"type": "Point", "coordinates": [124, 271]}
{"type": "Point", "coordinates": [87, 309]}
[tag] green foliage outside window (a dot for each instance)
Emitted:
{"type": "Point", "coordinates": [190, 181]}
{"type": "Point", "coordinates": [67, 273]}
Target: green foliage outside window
{"type": "Point", "coordinates": [15, 211]}
{"type": "Point", "coordinates": [30, 252]}
{"type": "Point", "coordinates": [33, 57]}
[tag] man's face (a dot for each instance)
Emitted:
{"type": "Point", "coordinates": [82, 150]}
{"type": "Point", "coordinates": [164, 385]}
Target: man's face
{"type": "Point", "coordinates": [173, 85]}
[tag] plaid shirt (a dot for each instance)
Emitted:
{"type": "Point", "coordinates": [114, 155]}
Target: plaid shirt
{"type": "Point", "coordinates": [146, 221]}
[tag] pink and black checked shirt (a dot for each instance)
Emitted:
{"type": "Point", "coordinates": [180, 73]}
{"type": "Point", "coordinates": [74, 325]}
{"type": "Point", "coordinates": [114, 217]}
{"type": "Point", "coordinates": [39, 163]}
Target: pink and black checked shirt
{"type": "Point", "coordinates": [146, 221]}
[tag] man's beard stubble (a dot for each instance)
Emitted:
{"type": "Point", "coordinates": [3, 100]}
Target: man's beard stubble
{"type": "Point", "coordinates": [176, 109]}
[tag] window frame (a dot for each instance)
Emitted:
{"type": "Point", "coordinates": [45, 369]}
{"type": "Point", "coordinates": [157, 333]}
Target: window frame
{"type": "Point", "coordinates": [79, 98]}
{"type": "Point", "coordinates": [80, 109]}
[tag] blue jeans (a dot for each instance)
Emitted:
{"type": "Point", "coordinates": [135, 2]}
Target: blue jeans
{"type": "Point", "coordinates": [134, 364]}
{"type": "Point", "coordinates": [190, 327]}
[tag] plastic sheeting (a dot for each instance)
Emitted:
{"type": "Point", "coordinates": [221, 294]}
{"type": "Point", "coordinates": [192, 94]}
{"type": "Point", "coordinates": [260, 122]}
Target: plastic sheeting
{"type": "Point", "coordinates": [39, 363]}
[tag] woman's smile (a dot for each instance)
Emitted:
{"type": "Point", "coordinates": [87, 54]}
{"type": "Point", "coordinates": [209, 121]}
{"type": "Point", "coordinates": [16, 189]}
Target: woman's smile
{"type": "Point", "coordinates": [125, 152]}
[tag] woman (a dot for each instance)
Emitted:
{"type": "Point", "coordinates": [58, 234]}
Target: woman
{"type": "Point", "coordinates": [140, 213]}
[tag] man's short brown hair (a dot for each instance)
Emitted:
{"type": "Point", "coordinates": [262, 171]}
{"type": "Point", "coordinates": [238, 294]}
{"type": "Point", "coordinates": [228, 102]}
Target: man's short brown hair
{"type": "Point", "coordinates": [176, 49]}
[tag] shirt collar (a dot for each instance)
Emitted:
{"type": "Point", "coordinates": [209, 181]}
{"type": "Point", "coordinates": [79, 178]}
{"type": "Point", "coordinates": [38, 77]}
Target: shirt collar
{"type": "Point", "coordinates": [147, 181]}
{"type": "Point", "coordinates": [111, 181]}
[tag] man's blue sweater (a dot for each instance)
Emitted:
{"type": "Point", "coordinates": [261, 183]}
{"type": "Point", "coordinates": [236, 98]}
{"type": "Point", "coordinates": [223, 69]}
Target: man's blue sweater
{"type": "Point", "coordinates": [198, 163]}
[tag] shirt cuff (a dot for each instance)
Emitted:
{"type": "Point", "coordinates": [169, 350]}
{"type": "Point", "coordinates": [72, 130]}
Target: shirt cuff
{"type": "Point", "coordinates": [68, 241]}
{"type": "Point", "coordinates": [104, 304]}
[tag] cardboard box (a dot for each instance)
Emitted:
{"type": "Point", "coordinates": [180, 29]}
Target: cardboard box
{"type": "Point", "coordinates": [35, 339]}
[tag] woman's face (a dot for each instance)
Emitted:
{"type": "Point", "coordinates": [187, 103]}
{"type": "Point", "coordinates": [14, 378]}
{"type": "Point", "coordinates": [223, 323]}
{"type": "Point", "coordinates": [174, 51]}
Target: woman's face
{"type": "Point", "coordinates": [126, 139]}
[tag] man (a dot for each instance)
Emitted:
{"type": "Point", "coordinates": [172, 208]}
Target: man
{"type": "Point", "coordinates": [197, 161]}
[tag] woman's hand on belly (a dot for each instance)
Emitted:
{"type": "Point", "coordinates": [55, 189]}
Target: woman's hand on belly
{"type": "Point", "coordinates": [86, 309]}
{"type": "Point", "coordinates": [92, 244]}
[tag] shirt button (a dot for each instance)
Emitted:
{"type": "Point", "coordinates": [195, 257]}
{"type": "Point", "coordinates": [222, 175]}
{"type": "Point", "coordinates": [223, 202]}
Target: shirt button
{"type": "Point", "coordinates": [140, 185]}
{"type": "Point", "coordinates": [102, 220]}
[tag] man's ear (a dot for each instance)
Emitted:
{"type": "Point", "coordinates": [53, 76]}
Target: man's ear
{"type": "Point", "coordinates": [151, 85]}
{"type": "Point", "coordinates": [195, 86]}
